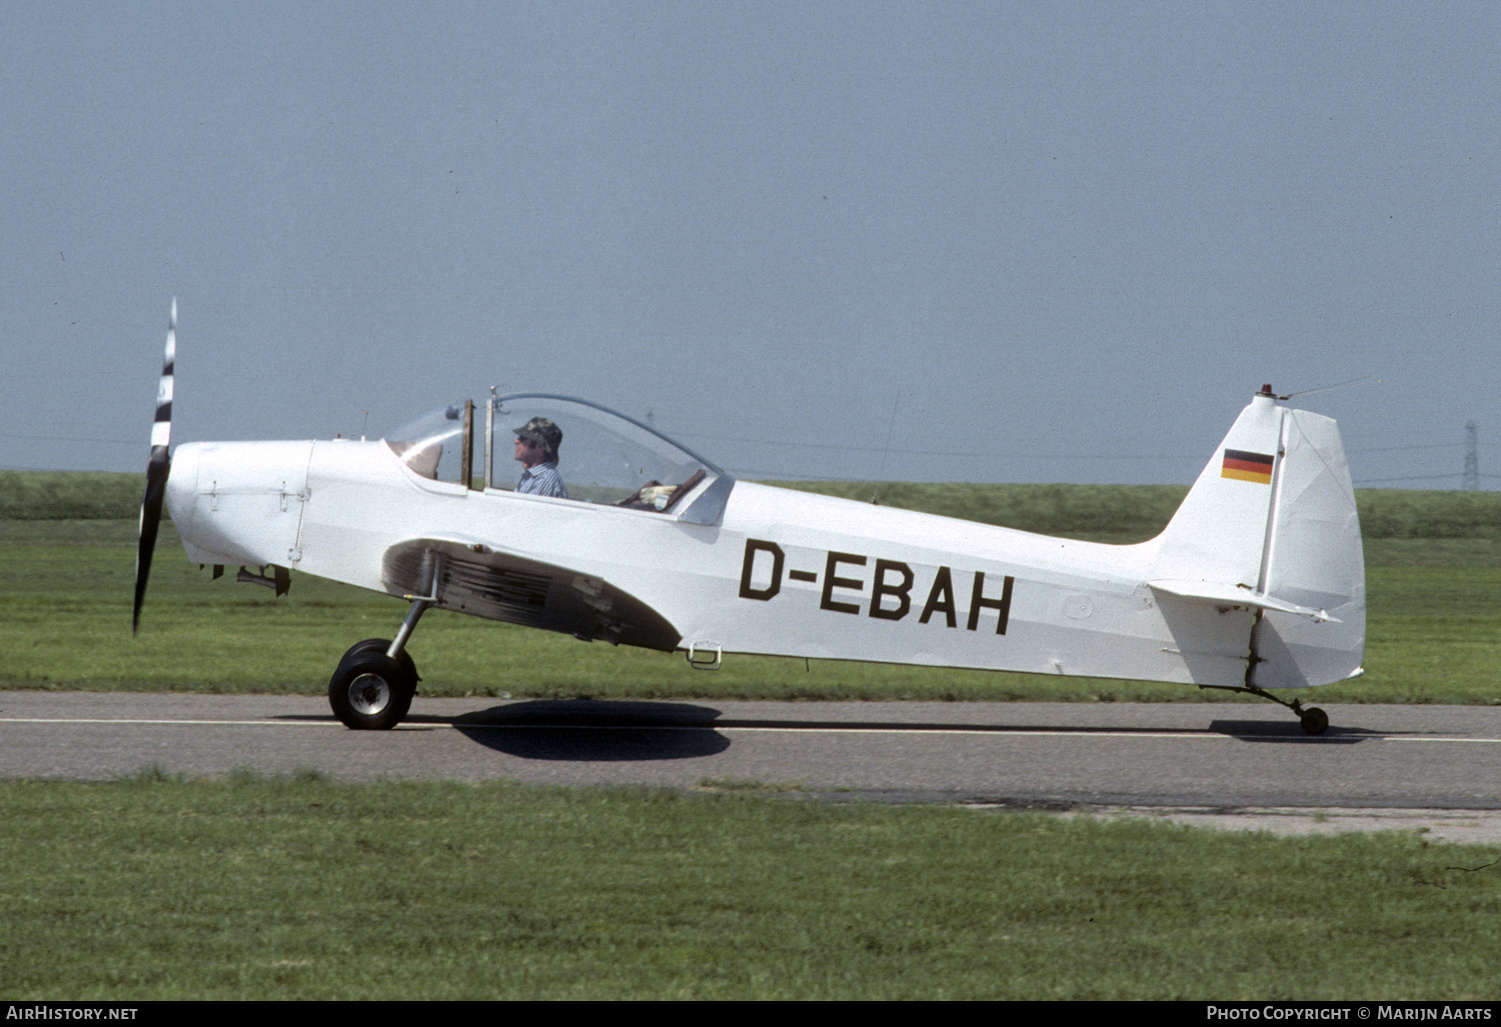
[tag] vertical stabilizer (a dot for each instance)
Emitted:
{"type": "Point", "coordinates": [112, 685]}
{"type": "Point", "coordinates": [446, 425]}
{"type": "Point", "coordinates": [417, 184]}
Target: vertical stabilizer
{"type": "Point", "coordinates": [1219, 534]}
{"type": "Point", "coordinates": [1271, 527]}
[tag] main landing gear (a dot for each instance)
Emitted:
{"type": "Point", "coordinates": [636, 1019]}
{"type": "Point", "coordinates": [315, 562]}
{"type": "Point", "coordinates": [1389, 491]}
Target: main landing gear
{"type": "Point", "coordinates": [373, 686]}
{"type": "Point", "coordinates": [371, 690]}
{"type": "Point", "coordinates": [1314, 720]}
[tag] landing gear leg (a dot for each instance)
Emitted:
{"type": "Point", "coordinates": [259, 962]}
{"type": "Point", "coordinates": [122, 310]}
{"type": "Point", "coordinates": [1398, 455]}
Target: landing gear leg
{"type": "Point", "coordinates": [373, 686]}
{"type": "Point", "coordinates": [419, 607]}
{"type": "Point", "coordinates": [1314, 720]}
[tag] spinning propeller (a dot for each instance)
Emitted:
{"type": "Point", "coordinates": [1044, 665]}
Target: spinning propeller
{"type": "Point", "coordinates": [157, 469]}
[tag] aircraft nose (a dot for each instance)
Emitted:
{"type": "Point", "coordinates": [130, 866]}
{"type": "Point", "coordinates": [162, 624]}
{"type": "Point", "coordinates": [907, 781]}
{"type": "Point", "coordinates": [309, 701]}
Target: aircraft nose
{"type": "Point", "coordinates": [182, 485]}
{"type": "Point", "coordinates": [239, 502]}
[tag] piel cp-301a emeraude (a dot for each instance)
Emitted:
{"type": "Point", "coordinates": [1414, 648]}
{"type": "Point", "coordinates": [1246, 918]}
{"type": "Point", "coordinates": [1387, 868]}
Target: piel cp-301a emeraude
{"type": "Point", "coordinates": [1257, 584]}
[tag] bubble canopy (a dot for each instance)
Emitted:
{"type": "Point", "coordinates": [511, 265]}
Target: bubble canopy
{"type": "Point", "coordinates": [604, 457]}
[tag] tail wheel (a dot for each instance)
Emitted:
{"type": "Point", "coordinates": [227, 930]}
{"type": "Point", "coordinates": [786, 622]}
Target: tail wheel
{"type": "Point", "coordinates": [370, 691]}
{"type": "Point", "coordinates": [1314, 720]}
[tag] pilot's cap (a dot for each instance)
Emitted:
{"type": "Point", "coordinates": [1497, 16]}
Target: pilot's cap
{"type": "Point", "coordinates": [541, 431]}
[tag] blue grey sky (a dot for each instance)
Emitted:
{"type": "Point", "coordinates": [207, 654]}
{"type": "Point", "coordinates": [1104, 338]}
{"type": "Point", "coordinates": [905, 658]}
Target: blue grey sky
{"type": "Point", "coordinates": [1028, 242]}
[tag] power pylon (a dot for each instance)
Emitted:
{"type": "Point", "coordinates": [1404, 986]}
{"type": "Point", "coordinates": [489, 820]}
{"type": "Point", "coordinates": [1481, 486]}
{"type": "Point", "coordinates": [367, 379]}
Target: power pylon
{"type": "Point", "coordinates": [1472, 459]}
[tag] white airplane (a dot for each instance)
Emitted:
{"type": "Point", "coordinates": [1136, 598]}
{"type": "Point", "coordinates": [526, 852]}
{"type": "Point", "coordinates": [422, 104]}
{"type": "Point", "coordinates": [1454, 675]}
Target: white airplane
{"type": "Point", "coordinates": [1257, 584]}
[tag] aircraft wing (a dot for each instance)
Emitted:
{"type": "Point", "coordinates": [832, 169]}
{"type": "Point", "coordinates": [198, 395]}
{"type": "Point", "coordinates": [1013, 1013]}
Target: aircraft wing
{"type": "Point", "coordinates": [1235, 595]}
{"type": "Point", "coordinates": [478, 579]}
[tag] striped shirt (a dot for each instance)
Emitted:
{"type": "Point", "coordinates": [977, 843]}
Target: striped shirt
{"type": "Point", "coordinates": [542, 480]}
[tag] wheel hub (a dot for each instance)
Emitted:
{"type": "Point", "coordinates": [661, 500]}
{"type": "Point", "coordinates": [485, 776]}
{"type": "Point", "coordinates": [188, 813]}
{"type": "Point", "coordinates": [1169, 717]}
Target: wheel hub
{"type": "Point", "coordinates": [369, 694]}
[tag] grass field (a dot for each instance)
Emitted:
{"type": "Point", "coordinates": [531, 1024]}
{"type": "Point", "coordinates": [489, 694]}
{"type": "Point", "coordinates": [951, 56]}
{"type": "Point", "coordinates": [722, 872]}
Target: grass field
{"type": "Point", "coordinates": [308, 889]}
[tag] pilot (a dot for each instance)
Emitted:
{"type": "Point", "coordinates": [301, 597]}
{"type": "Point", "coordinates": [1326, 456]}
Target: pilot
{"type": "Point", "coordinates": [537, 443]}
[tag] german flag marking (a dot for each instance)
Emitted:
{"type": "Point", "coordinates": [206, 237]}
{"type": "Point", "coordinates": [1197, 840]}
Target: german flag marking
{"type": "Point", "coordinates": [1245, 466]}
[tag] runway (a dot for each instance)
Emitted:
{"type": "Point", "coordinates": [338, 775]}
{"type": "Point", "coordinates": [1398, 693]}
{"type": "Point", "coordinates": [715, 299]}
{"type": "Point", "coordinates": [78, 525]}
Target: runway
{"type": "Point", "coordinates": [1394, 766]}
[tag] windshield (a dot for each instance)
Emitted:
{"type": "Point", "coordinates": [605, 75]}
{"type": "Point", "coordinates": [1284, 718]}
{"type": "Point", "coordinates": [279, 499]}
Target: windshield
{"type": "Point", "coordinates": [432, 444]}
{"type": "Point", "coordinates": [602, 456]}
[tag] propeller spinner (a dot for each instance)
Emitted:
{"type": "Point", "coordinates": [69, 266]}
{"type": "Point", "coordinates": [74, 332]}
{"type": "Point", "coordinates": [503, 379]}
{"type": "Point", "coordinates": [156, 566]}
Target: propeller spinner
{"type": "Point", "coordinates": [157, 470]}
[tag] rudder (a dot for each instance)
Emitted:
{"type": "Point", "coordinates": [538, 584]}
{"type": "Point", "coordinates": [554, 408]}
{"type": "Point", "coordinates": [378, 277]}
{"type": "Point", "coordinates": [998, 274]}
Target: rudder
{"type": "Point", "coordinates": [1315, 558]}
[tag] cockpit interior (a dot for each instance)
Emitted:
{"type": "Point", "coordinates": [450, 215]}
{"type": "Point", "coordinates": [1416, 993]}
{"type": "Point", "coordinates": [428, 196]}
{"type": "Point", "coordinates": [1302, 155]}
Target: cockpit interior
{"type": "Point", "coordinates": [604, 457]}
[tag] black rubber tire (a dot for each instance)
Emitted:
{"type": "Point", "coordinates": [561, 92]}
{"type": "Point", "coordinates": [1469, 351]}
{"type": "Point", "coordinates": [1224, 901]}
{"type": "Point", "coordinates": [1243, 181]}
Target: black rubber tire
{"type": "Point", "coordinates": [1314, 720]}
{"type": "Point", "coordinates": [380, 645]}
{"type": "Point", "coordinates": [370, 691]}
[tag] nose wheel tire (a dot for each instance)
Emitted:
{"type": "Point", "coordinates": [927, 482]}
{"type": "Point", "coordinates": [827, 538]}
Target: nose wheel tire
{"type": "Point", "coordinates": [370, 691]}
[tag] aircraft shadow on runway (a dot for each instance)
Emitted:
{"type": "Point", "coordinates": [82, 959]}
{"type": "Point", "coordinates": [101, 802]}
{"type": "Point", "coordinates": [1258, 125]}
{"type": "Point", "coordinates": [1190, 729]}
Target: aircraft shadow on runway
{"type": "Point", "coordinates": [1278, 731]}
{"type": "Point", "coordinates": [595, 730]}
{"type": "Point", "coordinates": [591, 730]}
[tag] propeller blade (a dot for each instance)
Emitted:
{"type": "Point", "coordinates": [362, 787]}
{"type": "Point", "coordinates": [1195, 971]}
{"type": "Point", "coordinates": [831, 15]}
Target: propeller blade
{"type": "Point", "coordinates": [157, 470]}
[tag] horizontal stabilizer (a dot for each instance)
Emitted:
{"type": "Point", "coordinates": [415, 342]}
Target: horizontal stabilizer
{"type": "Point", "coordinates": [1235, 595]}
